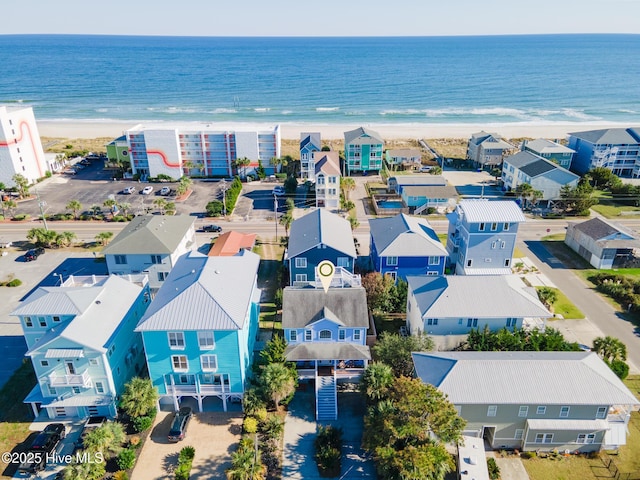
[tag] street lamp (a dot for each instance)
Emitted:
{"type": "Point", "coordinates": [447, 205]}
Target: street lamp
{"type": "Point", "coordinates": [223, 186]}
{"type": "Point", "coordinates": [42, 204]}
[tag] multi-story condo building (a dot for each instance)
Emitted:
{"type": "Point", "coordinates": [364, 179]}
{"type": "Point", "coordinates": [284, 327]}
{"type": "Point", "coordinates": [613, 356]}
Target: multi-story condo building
{"type": "Point", "coordinates": [20, 148]}
{"type": "Point", "coordinates": [617, 149]}
{"type": "Point", "coordinates": [309, 143]}
{"type": "Point", "coordinates": [552, 151]}
{"type": "Point", "coordinates": [363, 150]}
{"type": "Point", "coordinates": [202, 150]}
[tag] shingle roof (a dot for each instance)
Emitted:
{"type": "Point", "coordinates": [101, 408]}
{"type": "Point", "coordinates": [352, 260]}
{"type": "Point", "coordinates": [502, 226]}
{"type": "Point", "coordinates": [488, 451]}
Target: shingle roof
{"type": "Point", "coordinates": [320, 227]}
{"type": "Point", "coordinates": [539, 167]}
{"type": "Point", "coordinates": [303, 306]}
{"type": "Point", "coordinates": [404, 152]}
{"type": "Point", "coordinates": [521, 159]}
{"type": "Point", "coordinates": [310, 138]}
{"type": "Point", "coordinates": [610, 136]}
{"type": "Point", "coordinates": [475, 296]}
{"type": "Point", "coordinates": [327, 163]}
{"type": "Point", "coordinates": [418, 180]}
{"type": "Point", "coordinates": [599, 229]}
{"type": "Point", "coordinates": [152, 234]}
{"type": "Point", "coordinates": [204, 293]}
{"type": "Point", "coordinates": [545, 378]}
{"type": "Point", "coordinates": [360, 134]}
{"type": "Point", "coordinates": [326, 351]}
{"type": "Point", "coordinates": [431, 191]}
{"type": "Point", "coordinates": [542, 145]}
{"type": "Point", "coordinates": [230, 243]}
{"type": "Point", "coordinates": [476, 211]}
{"type": "Point", "coordinates": [405, 236]}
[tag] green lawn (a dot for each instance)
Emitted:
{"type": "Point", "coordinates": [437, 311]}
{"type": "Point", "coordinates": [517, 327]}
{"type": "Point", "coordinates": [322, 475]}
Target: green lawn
{"type": "Point", "coordinates": [613, 211]}
{"type": "Point", "coordinates": [389, 322]}
{"type": "Point", "coordinates": [555, 237]}
{"type": "Point", "coordinates": [443, 238]}
{"type": "Point", "coordinates": [563, 306]}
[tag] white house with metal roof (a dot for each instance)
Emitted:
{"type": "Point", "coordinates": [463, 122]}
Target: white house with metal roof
{"type": "Point", "coordinates": [151, 244]}
{"type": "Point", "coordinates": [455, 304]}
{"type": "Point", "coordinates": [200, 330]}
{"type": "Point", "coordinates": [81, 342]}
{"type": "Point", "coordinates": [617, 149]}
{"type": "Point", "coordinates": [482, 236]}
{"type": "Point", "coordinates": [565, 401]}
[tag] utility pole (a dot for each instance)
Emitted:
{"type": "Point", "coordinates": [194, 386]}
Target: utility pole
{"type": "Point", "coordinates": [275, 210]}
{"type": "Point", "coordinates": [223, 186]}
{"type": "Point", "coordinates": [42, 204]}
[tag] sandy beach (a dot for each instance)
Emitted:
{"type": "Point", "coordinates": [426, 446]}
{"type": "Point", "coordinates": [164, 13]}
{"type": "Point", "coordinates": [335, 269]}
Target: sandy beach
{"type": "Point", "coordinates": [94, 129]}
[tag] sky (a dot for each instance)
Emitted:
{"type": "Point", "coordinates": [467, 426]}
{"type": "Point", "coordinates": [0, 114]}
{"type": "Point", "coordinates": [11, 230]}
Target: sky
{"type": "Point", "coordinates": [320, 18]}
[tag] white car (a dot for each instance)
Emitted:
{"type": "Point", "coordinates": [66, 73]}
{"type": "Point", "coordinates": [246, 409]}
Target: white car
{"type": "Point", "coordinates": [165, 191]}
{"type": "Point", "coordinates": [128, 191]}
{"type": "Point", "coordinates": [278, 191]}
{"type": "Point", "coordinates": [147, 190]}
{"type": "Point", "coordinates": [425, 168]}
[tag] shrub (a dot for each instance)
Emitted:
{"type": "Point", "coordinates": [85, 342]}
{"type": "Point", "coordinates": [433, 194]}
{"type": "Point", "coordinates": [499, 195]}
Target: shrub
{"type": "Point", "coordinates": [528, 455]}
{"type": "Point", "coordinates": [21, 216]}
{"type": "Point", "coordinates": [120, 475]}
{"type": "Point", "coordinates": [16, 282]}
{"type": "Point", "coordinates": [119, 218]}
{"type": "Point", "coordinates": [126, 459]}
{"type": "Point", "coordinates": [620, 368]}
{"type": "Point", "coordinates": [327, 445]}
{"type": "Point", "coordinates": [278, 298]}
{"type": "Point", "coordinates": [250, 425]}
{"type": "Point", "coordinates": [186, 453]}
{"type": "Point", "coordinates": [272, 427]}
{"type": "Point", "coordinates": [215, 208]}
{"type": "Point", "coordinates": [140, 424]}
{"type": "Point", "coordinates": [185, 460]}
{"type": "Point", "coordinates": [134, 442]}
{"type": "Point", "coordinates": [494, 470]}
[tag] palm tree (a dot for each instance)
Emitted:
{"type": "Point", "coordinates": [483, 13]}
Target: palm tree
{"type": "Point", "coordinates": [64, 239]}
{"type": "Point", "coordinates": [170, 208]}
{"type": "Point", "coordinates": [107, 438]}
{"type": "Point", "coordinates": [348, 184]}
{"type": "Point", "coordinates": [22, 183]}
{"type": "Point", "coordinates": [243, 163]}
{"type": "Point", "coordinates": [42, 237]}
{"type": "Point", "coordinates": [110, 204]}
{"type": "Point", "coordinates": [9, 205]}
{"type": "Point", "coordinates": [278, 382]}
{"type": "Point", "coordinates": [124, 208]}
{"type": "Point", "coordinates": [287, 218]}
{"type": "Point", "coordinates": [74, 206]}
{"type": "Point", "coordinates": [610, 349]}
{"type": "Point", "coordinates": [79, 470]}
{"type": "Point", "coordinates": [104, 237]}
{"type": "Point", "coordinates": [246, 464]}
{"type": "Point", "coordinates": [161, 203]}
{"type": "Point", "coordinates": [95, 210]}
{"type": "Point", "coordinates": [353, 221]}
{"type": "Point", "coordinates": [139, 397]}
{"type": "Point", "coordinates": [376, 381]}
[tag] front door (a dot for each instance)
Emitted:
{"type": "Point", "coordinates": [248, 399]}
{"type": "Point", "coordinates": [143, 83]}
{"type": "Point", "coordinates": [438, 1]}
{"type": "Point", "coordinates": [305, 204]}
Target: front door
{"type": "Point", "coordinates": [488, 433]}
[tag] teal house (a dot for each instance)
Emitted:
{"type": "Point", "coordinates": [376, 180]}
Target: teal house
{"type": "Point", "coordinates": [81, 342]}
{"type": "Point", "coordinates": [363, 150]}
{"type": "Point", "coordinates": [201, 327]}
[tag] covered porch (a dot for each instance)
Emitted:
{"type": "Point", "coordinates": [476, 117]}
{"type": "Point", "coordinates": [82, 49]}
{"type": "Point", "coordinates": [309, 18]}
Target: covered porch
{"type": "Point", "coordinates": [200, 386]}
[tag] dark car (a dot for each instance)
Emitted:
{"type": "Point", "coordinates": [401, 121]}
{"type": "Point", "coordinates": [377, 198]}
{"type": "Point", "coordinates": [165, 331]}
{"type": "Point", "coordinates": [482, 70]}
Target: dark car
{"type": "Point", "coordinates": [179, 425]}
{"type": "Point", "coordinates": [212, 228]}
{"type": "Point", "coordinates": [33, 254]}
{"type": "Point", "coordinates": [48, 439]}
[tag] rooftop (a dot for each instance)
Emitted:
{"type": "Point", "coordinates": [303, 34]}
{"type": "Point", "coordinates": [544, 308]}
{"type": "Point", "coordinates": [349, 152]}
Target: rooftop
{"type": "Point", "coordinates": [479, 210]}
{"type": "Point", "coordinates": [320, 227]}
{"type": "Point", "coordinates": [231, 243]}
{"type": "Point", "coordinates": [610, 136]}
{"type": "Point", "coordinates": [405, 236]}
{"type": "Point", "coordinates": [151, 234]}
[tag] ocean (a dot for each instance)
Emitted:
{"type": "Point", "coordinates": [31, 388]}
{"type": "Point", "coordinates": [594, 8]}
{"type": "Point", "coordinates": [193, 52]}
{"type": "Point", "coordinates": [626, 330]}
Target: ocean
{"type": "Point", "coordinates": [530, 79]}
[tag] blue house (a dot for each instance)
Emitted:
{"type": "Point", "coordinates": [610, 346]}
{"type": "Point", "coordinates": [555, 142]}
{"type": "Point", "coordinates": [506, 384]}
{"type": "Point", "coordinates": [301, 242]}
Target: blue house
{"type": "Point", "coordinates": [404, 245]}
{"type": "Point", "coordinates": [81, 341]}
{"type": "Point", "coordinates": [327, 339]}
{"type": "Point", "coordinates": [201, 327]}
{"type": "Point", "coordinates": [482, 236]}
{"type": "Point", "coordinates": [319, 235]}
{"type": "Point", "coordinates": [363, 151]}
{"type": "Point", "coordinates": [617, 149]}
{"type": "Point", "coordinates": [309, 143]}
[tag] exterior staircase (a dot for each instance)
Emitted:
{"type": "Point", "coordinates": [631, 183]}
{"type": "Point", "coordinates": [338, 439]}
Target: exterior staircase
{"type": "Point", "coordinates": [326, 398]}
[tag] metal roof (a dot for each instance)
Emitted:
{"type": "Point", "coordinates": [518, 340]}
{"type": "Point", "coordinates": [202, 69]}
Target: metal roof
{"type": "Point", "coordinates": [562, 176]}
{"type": "Point", "coordinates": [542, 145]}
{"type": "Point", "coordinates": [487, 271]}
{"type": "Point", "coordinates": [58, 301]}
{"type": "Point", "coordinates": [405, 236]}
{"type": "Point", "coordinates": [80, 401]}
{"type": "Point", "coordinates": [327, 163]}
{"type": "Point", "coordinates": [204, 293]}
{"type": "Point", "coordinates": [481, 210]}
{"type": "Point", "coordinates": [567, 424]}
{"type": "Point", "coordinates": [320, 227]}
{"type": "Point", "coordinates": [544, 378]}
{"type": "Point", "coordinates": [152, 234]}
{"type": "Point", "coordinates": [304, 306]}
{"type": "Point", "coordinates": [362, 135]}
{"type": "Point", "coordinates": [610, 136]}
{"type": "Point", "coordinates": [475, 296]}
{"type": "Point", "coordinates": [326, 351]}
{"type": "Point", "coordinates": [64, 353]}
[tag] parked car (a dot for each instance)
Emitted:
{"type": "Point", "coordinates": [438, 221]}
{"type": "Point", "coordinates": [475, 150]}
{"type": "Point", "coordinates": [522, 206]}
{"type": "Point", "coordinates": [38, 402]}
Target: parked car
{"type": "Point", "coordinates": [85, 161]}
{"type": "Point", "coordinates": [128, 190]}
{"type": "Point", "coordinates": [33, 254]}
{"type": "Point", "coordinates": [425, 168]}
{"type": "Point", "coordinates": [147, 190]}
{"type": "Point", "coordinates": [179, 425]}
{"type": "Point", "coordinates": [212, 228]}
{"type": "Point", "coordinates": [165, 191]}
{"type": "Point", "coordinates": [278, 191]}
{"type": "Point", "coordinates": [48, 439]}
{"type": "Point", "coordinates": [69, 171]}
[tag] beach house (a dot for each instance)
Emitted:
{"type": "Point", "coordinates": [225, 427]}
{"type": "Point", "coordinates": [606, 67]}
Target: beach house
{"type": "Point", "coordinates": [482, 236]}
{"type": "Point", "coordinates": [201, 328]}
{"type": "Point", "coordinates": [542, 174]}
{"type": "Point", "coordinates": [309, 143]}
{"type": "Point", "coordinates": [81, 342]}
{"type": "Point", "coordinates": [487, 149]}
{"type": "Point", "coordinates": [327, 176]}
{"type": "Point", "coordinates": [565, 402]}
{"type": "Point", "coordinates": [403, 245]}
{"type": "Point", "coordinates": [200, 150]}
{"type": "Point", "coordinates": [151, 244]}
{"type": "Point", "coordinates": [617, 149]}
{"type": "Point", "coordinates": [326, 335]}
{"type": "Point", "coordinates": [317, 236]}
{"type": "Point", "coordinates": [21, 150]}
{"type": "Point", "coordinates": [363, 150]}
{"type": "Point", "coordinates": [405, 158]}
{"type": "Point", "coordinates": [559, 154]}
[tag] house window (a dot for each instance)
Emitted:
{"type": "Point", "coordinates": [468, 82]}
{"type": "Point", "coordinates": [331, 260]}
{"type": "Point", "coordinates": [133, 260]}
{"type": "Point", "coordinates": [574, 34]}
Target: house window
{"type": "Point", "coordinates": [156, 259]}
{"type": "Point", "coordinates": [432, 273]}
{"type": "Point", "coordinates": [586, 438]}
{"type": "Point", "coordinates": [356, 334]}
{"type": "Point", "coordinates": [602, 412]}
{"type": "Point", "coordinates": [120, 259]}
{"type": "Point", "coordinates": [42, 321]}
{"type": "Point", "coordinates": [393, 275]}
{"type": "Point", "coordinates": [492, 410]}
{"type": "Point", "coordinates": [511, 322]}
{"type": "Point", "coordinates": [206, 340]}
{"type": "Point", "coordinates": [481, 227]}
{"type": "Point", "coordinates": [76, 389]}
{"type": "Point", "coordinates": [494, 227]}
{"type": "Point", "coordinates": [293, 336]}
{"type": "Point", "coordinates": [472, 322]}
{"type": "Point", "coordinates": [162, 276]}
{"type": "Point", "coordinates": [341, 334]}
{"type": "Point", "coordinates": [56, 319]}
{"type": "Point", "coordinates": [343, 262]}
{"type": "Point", "coordinates": [523, 411]}
{"type": "Point", "coordinates": [564, 412]}
{"type": "Point", "coordinates": [44, 363]}
{"type": "Point", "coordinates": [432, 321]}
{"type": "Point", "coordinates": [434, 260]}
{"type": "Point", "coordinates": [99, 387]}
{"type": "Point", "coordinates": [325, 335]}
{"type": "Point", "coordinates": [307, 335]}
{"type": "Point", "coordinates": [507, 261]}
{"type": "Point", "coordinates": [52, 390]}
{"type": "Point", "coordinates": [503, 244]}
{"type": "Point", "coordinates": [519, 433]}
{"type": "Point", "coordinates": [541, 410]}
{"type": "Point", "coordinates": [301, 262]}
{"type": "Point", "coordinates": [469, 262]}
{"type": "Point", "coordinates": [301, 277]}
{"type": "Point", "coordinates": [28, 322]}
{"type": "Point", "coordinates": [544, 438]}
{"type": "Point", "coordinates": [392, 261]}
{"type": "Point", "coordinates": [176, 340]}
{"type": "Point", "coordinates": [505, 227]}
{"type": "Point", "coordinates": [179, 363]}
{"type": "Point", "coordinates": [209, 362]}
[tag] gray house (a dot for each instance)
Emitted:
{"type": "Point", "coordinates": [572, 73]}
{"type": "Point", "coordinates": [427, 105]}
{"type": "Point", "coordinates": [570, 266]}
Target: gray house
{"type": "Point", "coordinates": [603, 244]}
{"type": "Point", "coordinates": [566, 401]}
{"type": "Point", "coordinates": [487, 149]}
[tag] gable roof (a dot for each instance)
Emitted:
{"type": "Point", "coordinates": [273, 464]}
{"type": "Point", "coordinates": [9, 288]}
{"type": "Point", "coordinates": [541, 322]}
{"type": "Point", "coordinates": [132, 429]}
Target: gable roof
{"type": "Point", "coordinates": [607, 234]}
{"type": "Point", "coordinates": [480, 210]}
{"type": "Point", "coordinates": [311, 140]}
{"type": "Point", "coordinates": [204, 293]}
{"type": "Point", "coordinates": [360, 135]}
{"type": "Point", "coordinates": [320, 227]}
{"type": "Point", "coordinates": [521, 159]}
{"type": "Point", "coordinates": [231, 243]}
{"type": "Point", "coordinates": [327, 163]}
{"type": "Point", "coordinates": [552, 378]}
{"type": "Point", "coordinates": [609, 136]}
{"type": "Point", "coordinates": [539, 167]}
{"type": "Point", "coordinates": [542, 145]}
{"type": "Point", "coordinates": [99, 310]}
{"type": "Point", "coordinates": [492, 140]}
{"type": "Point", "coordinates": [405, 236]}
{"type": "Point", "coordinates": [404, 152]}
{"type": "Point", "coordinates": [152, 234]}
{"type": "Point", "coordinates": [326, 351]}
{"type": "Point", "coordinates": [304, 306]}
{"type": "Point", "coordinates": [475, 296]}
{"type": "Point", "coordinates": [562, 176]}
{"type": "Point", "coordinates": [534, 166]}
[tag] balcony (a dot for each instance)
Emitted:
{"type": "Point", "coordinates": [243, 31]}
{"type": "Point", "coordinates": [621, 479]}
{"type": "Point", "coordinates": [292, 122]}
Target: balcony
{"type": "Point", "coordinates": [205, 388]}
{"type": "Point", "coordinates": [77, 380]}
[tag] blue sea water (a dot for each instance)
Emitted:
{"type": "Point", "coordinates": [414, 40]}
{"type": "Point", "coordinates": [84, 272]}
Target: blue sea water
{"type": "Point", "coordinates": [536, 79]}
